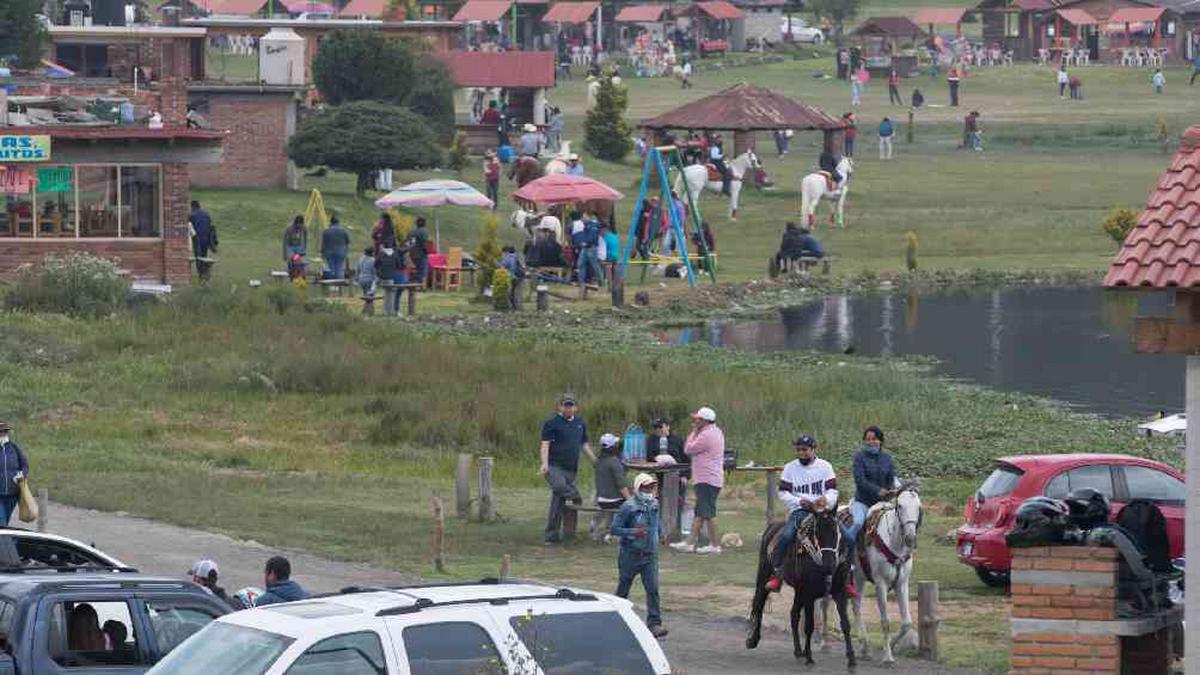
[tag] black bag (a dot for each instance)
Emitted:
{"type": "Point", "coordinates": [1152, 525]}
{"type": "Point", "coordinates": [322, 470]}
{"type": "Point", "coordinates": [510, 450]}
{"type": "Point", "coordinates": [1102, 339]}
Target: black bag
{"type": "Point", "coordinates": [1143, 520]}
{"type": "Point", "coordinates": [730, 462]}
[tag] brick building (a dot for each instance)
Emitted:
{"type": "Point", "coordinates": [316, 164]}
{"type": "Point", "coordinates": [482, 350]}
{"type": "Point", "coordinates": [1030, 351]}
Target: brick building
{"type": "Point", "coordinates": [259, 119]}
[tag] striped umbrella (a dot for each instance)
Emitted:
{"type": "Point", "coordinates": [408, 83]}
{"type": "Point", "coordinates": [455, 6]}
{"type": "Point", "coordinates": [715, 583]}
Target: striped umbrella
{"type": "Point", "coordinates": [427, 193]}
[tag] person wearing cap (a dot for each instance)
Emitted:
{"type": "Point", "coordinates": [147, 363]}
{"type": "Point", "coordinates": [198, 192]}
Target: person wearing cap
{"type": "Point", "coordinates": [636, 525]}
{"type": "Point", "coordinates": [611, 491]}
{"type": "Point", "coordinates": [204, 574]}
{"type": "Point", "coordinates": [705, 445]}
{"type": "Point", "coordinates": [491, 175]}
{"type": "Point", "coordinates": [14, 466]}
{"type": "Point", "coordinates": [807, 485]}
{"type": "Point", "coordinates": [529, 144]}
{"type": "Point", "coordinates": [563, 437]}
{"type": "Point", "coordinates": [574, 167]}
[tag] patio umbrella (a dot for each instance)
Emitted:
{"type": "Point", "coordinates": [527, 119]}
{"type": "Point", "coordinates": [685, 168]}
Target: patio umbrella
{"type": "Point", "coordinates": [434, 193]}
{"type": "Point", "coordinates": [564, 189]}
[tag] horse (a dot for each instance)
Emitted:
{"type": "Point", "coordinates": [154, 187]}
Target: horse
{"type": "Point", "coordinates": [885, 558]}
{"type": "Point", "coordinates": [524, 170]}
{"type": "Point", "coordinates": [814, 187]}
{"type": "Point", "coordinates": [700, 177]}
{"type": "Point", "coordinates": [815, 566]}
{"type": "Point", "coordinates": [558, 164]}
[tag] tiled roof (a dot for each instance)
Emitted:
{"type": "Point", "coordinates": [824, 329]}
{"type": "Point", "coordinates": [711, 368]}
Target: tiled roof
{"type": "Point", "coordinates": [948, 16]}
{"type": "Point", "coordinates": [531, 70]}
{"type": "Point", "coordinates": [889, 25]}
{"type": "Point", "coordinates": [1136, 14]}
{"type": "Point", "coordinates": [641, 14]}
{"type": "Point", "coordinates": [570, 12]}
{"type": "Point", "coordinates": [371, 8]}
{"type": "Point", "coordinates": [744, 107]}
{"type": "Point", "coordinates": [719, 9]}
{"type": "Point", "coordinates": [482, 10]}
{"type": "Point", "coordinates": [1163, 250]}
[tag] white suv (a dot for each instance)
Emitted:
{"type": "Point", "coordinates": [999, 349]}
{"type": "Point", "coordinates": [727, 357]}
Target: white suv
{"type": "Point", "coordinates": [484, 628]}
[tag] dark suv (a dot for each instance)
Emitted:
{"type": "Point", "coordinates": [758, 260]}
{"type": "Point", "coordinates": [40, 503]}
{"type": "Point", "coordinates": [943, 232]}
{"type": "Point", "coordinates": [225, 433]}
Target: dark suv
{"type": "Point", "coordinates": [96, 620]}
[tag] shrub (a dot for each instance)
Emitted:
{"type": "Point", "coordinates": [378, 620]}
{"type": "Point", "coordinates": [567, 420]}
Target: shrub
{"type": "Point", "coordinates": [606, 131]}
{"type": "Point", "coordinates": [501, 286]}
{"type": "Point", "coordinates": [488, 254]}
{"type": "Point", "coordinates": [78, 284]}
{"type": "Point", "coordinates": [1119, 222]}
{"type": "Point", "coordinates": [910, 251]}
{"type": "Point", "coordinates": [457, 159]}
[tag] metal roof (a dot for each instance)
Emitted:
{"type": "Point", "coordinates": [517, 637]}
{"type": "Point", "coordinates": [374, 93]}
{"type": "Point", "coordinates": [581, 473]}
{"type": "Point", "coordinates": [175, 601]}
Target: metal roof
{"type": "Point", "coordinates": [1077, 17]}
{"type": "Point", "coordinates": [641, 14]}
{"type": "Point", "coordinates": [117, 133]}
{"type": "Point", "coordinates": [1163, 250]}
{"type": "Point", "coordinates": [570, 12]}
{"type": "Point", "coordinates": [514, 70]}
{"type": "Point", "coordinates": [744, 107]}
{"type": "Point", "coordinates": [482, 10]}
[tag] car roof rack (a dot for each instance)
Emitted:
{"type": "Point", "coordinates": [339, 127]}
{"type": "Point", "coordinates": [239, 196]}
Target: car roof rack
{"type": "Point", "coordinates": [486, 581]}
{"type": "Point", "coordinates": [426, 603]}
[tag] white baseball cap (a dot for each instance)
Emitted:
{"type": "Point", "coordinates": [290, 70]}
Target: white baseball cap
{"type": "Point", "coordinates": [529, 127]}
{"type": "Point", "coordinates": [205, 569]}
{"type": "Point", "coordinates": [642, 480]}
{"type": "Point", "coordinates": [609, 440]}
{"type": "Point", "coordinates": [705, 413]}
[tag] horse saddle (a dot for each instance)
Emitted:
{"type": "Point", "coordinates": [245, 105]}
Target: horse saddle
{"type": "Point", "coordinates": [714, 176]}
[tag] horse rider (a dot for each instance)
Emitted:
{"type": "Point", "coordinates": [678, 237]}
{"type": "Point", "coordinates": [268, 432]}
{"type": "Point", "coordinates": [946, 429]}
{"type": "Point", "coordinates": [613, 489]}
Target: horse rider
{"type": "Point", "coordinates": [716, 155]}
{"type": "Point", "coordinates": [530, 142]}
{"type": "Point", "coordinates": [808, 485]}
{"type": "Point", "coordinates": [874, 479]}
{"type": "Point", "coordinates": [829, 164]}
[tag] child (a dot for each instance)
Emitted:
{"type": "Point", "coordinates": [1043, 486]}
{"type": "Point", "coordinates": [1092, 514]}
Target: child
{"type": "Point", "coordinates": [611, 492]}
{"type": "Point", "coordinates": [1158, 80]}
{"type": "Point", "coordinates": [491, 174]}
{"type": "Point", "coordinates": [637, 526]}
{"type": "Point", "coordinates": [366, 272]}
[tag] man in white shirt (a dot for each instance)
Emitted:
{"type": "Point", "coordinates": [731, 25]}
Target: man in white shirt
{"type": "Point", "coordinates": [808, 485]}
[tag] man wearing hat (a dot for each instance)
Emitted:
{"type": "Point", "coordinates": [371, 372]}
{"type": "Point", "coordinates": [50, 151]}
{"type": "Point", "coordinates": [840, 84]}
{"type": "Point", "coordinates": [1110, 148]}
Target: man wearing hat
{"type": "Point", "coordinates": [204, 574]}
{"type": "Point", "coordinates": [706, 446]}
{"type": "Point", "coordinates": [563, 436]}
{"type": "Point", "coordinates": [636, 524]}
{"type": "Point", "coordinates": [530, 143]}
{"type": "Point", "coordinates": [14, 466]}
{"type": "Point", "coordinates": [807, 485]}
{"type": "Point", "coordinates": [574, 168]}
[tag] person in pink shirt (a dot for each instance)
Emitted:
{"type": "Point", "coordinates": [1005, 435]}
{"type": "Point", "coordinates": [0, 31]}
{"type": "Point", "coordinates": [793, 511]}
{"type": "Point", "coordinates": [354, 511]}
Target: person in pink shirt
{"type": "Point", "coordinates": [706, 447]}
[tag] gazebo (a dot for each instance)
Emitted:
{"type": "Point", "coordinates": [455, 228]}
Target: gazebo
{"type": "Point", "coordinates": [745, 109]}
{"type": "Point", "coordinates": [1162, 253]}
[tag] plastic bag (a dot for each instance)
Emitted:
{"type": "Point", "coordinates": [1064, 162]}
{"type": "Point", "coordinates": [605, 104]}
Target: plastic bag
{"type": "Point", "coordinates": [27, 506]}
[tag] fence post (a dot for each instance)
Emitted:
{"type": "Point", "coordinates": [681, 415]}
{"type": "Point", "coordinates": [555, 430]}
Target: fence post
{"type": "Point", "coordinates": [927, 619]}
{"type": "Point", "coordinates": [412, 302]}
{"type": "Point", "coordinates": [439, 535]}
{"type": "Point", "coordinates": [43, 499]}
{"type": "Point", "coordinates": [487, 510]}
{"type": "Point", "coordinates": [505, 567]}
{"type": "Point", "coordinates": [670, 504]}
{"type": "Point", "coordinates": [462, 486]}
{"type": "Point", "coordinates": [771, 479]}
{"type": "Point", "coordinates": [543, 298]}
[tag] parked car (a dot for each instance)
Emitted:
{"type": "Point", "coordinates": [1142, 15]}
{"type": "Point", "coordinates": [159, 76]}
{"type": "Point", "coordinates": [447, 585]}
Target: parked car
{"type": "Point", "coordinates": [20, 548]}
{"type": "Point", "coordinates": [96, 622]}
{"type": "Point", "coordinates": [801, 31]}
{"type": "Point", "coordinates": [1120, 478]}
{"type": "Point", "coordinates": [486, 627]}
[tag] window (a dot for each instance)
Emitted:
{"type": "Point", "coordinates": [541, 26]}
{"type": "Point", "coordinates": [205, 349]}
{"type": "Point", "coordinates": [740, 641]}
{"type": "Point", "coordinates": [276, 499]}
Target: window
{"type": "Point", "coordinates": [1001, 482]}
{"type": "Point", "coordinates": [84, 200]}
{"type": "Point", "coordinates": [139, 201]}
{"type": "Point", "coordinates": [225, 648]}
{"type": "Point", "coordinates": [1058, 488]}
{"type": "Point", "coordinates": [450, 649]}
{"type": "Point", "coordinates": [56, 201]}
{"type": "Point", "coordinates": [1049, 30]}
{"type": "Point", "coordinates": [90, 634]}
{"type": "Point", "coordinates": [1012, 25]}
{"type": "Point", "coordinates": [1146, 483]}
{"type": "Point", "coordinates": [352, 654]}
{"type": "Point", "coordinates": [173, 623]}
{"type": "Point", "coordinates": [8, 609]}
{"type": "Point", "coordinates": [1098, 477]}
{"type": "Point", "coordinates": [595, 642]}
{"type": "Point", "coordinates": [97, 187]}
{"type": "Point", "coordinates": [50, 553]}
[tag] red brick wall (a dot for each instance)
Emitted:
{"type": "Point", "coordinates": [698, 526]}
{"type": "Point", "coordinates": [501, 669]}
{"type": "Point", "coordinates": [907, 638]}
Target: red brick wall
{"type": "Point", "coordinates": [256, 149]}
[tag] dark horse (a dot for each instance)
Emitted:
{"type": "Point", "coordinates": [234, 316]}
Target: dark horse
{"type": "Point", "coordinates": [816, 565]}
{"type": "Point", "coordinates": [525, 169]}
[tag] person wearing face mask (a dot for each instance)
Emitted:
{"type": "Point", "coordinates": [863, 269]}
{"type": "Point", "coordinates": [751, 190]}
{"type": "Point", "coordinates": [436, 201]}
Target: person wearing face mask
{"type": "Point", "coordinates": [807, 485]}
{"type": "Point", "coordinates": [14, 466]}
{"type": "Point", "coordinates": [636, 525]}
{"type": "Point", "coordinates": [874, 479]}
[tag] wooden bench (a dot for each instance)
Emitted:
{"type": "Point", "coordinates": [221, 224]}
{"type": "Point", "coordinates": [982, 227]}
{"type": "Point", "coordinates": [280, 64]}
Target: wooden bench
{"type": "Point", "coordinates": [328, 284]}
{"type": "Point", "coordinates": [390, 290]}
{"type": "Point", "coordinates": [280, 276]}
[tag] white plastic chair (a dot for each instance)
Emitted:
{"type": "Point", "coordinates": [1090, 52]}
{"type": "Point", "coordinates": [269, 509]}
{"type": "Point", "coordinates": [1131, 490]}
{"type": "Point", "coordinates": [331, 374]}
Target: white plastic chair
{"type": "Point", "coordinates": [1043, 56]}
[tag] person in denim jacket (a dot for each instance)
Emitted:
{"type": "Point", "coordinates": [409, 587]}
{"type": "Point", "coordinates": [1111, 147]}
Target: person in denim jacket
{"type": "Point", "coordinates": [636, 525]}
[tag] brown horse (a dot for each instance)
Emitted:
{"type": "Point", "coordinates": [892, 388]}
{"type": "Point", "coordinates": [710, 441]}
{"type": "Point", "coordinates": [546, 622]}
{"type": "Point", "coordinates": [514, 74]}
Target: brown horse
{"type": "Point", "coordinates": [525, 169]}
{"type": "Point", "coordinates": [817, 564]}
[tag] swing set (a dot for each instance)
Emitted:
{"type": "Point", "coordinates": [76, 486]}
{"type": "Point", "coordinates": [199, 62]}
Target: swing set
{"type": "Point", "coordinates": [658, 161]}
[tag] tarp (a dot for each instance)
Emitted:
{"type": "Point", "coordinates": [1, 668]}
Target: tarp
{"type": "Point", "coordinates": [570, 12]}
{"type": "Point", "coordinates": [564, 189]}
{"type": "Point", "coordinates": [1136, 15]}
{"type": "Point", "coordinates": [641, 14]}
{"type": "Point", "coordinates": [1077, 17]}
{"type": "Point", "coordinates": [941, 16]}
{"type": "Point", "coordinates": [482, 10]}
{"type": "Point", "coordinates": [720, 9]}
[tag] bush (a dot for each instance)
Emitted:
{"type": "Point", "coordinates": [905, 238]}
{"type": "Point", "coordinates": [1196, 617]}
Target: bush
{"type": "Point", "coordinates": [1119, 222]}
{"type": "Point", "coordinates": [910, 251]}
{"type": "Point", "coordinates": [606, 131]}
{"type": "Point", "coordinates": [457, 159]}
{"type": "Point", "coordinates": [488, 254]}
{"type": "Point", "coordinates": [501, 287]}
{"type": "Point", "coordinates": [78, 284]}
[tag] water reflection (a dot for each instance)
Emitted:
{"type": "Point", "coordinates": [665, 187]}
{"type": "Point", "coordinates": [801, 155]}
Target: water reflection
{"type": "Point", "coordinates": [1072, 344]}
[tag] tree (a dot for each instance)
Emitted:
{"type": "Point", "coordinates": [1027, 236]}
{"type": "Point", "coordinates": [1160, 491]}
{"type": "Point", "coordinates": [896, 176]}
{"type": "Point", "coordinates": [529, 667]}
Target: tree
{"type": "Point", "coordinates": [606, 130]}
{"type": "Point", "coordinates": [432, 95]}
{"type": "Point", "coordinates": [363, 65]}
{"type": "Point", "coordinates": [364, 137]}
{"type": "Point", "coordinates": [23, 35]}
{"type": "Point", "coordinates": [839, 12]}
{"type": "Point", "coordinates": [488, 254]}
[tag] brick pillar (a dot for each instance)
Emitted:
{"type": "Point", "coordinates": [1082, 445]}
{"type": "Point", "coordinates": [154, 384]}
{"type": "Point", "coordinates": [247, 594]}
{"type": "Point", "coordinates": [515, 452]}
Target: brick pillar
{"type": "Point", "coordinates": [1148, 654]}
{"type": "Point", "coordinates": [173, 101]}
{"type": "Point", "coordinates": [176, 244]}
{"type": "Point", "coordinates": [1061, 597]}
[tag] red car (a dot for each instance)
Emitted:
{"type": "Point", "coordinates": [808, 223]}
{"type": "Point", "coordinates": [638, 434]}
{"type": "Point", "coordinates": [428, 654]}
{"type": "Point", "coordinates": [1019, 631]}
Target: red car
{"type": "Point", "coordinates": [1120, 478]}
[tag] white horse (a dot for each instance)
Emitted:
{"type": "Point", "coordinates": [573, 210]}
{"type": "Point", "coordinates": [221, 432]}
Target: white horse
{"type": "Point", "coordinates": [889, 551]}
{"type": "Point", "coordinates": [698, 180]}
{"type": "Point", "coordinates": [558, 163]}
{"type": "Point", "coordinates": [814, 188]}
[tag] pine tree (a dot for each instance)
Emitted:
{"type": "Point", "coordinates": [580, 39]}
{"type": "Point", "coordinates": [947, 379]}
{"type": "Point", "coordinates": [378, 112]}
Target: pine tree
{"type": "Point", "coordinates": [488, 254]}
{"type": "Point", "coordinates": [606, 130]}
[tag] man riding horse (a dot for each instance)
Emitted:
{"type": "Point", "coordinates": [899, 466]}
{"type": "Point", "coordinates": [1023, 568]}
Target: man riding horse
{"type": "Point", "coordinates": [828, 163]}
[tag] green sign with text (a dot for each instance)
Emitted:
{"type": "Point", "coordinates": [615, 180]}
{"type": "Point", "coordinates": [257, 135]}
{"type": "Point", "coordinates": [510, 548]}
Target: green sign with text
{"type": "Point", "coordinates": [54, 179]}
{"type": "Point", "coordinates": [24, 148]}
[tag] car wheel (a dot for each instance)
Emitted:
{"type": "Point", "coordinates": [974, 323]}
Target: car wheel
{"type": "Point", "coordinates": [818, 39]}
{"type": "Point", "coordinates": [990, 578]}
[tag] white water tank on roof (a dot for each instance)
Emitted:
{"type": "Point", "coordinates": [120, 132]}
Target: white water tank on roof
{"type": "Point", "coordinates": [281, 57]}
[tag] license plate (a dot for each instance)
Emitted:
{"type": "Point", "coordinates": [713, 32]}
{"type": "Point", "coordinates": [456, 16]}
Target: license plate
{"type": "Point", "coordinates": [968, 547]}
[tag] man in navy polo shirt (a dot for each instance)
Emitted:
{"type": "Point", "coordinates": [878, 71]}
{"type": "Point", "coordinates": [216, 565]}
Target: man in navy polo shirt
{"type": "Point", "coordinates": [563, 436]}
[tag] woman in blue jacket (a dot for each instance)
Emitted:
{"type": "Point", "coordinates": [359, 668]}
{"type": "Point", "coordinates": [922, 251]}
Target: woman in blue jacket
{"type": "Point", "coordinates": [874, 479]}
{"type": "Point", "coordinates": [13, 467]}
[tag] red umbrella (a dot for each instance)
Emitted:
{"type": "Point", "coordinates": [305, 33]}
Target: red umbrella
{"type": "Point", "coordinates": [564, 189]}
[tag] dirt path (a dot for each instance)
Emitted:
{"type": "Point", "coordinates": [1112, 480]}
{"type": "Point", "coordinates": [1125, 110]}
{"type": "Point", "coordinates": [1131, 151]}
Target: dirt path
{"type": "Point", "coordinates": [697, 643]}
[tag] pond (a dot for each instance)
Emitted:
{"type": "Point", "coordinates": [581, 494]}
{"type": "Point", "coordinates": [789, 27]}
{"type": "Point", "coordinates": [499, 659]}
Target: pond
{"type": "Point", "coordinates": [1069, 344]}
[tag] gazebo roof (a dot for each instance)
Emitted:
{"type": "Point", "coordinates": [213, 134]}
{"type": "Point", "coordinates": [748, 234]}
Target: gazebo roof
{"type": "Point", "coordinates": [1163, 250]}
{"type": "Point", "coordinates": [744, 107]}
{"type": "Point", "coordinates": [894, 26]}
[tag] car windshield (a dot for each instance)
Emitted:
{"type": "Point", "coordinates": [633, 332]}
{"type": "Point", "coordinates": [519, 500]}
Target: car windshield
{"type": "Point", "coordinates": [1001, 482]}
{"type": "Point", "coordinates": [224, 649]}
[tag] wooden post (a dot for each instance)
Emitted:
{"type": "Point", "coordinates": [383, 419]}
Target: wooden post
{"type": "Point", "coordinates": [43, 499]}
{"type": "Point", "coordinates": [543, 298]}
{"type": "Point", "coordinates": [927, 619]}
{"type": "Point", "coordinates": [505, 567]}
{"type": "Point", "coordinates": [389, 299]}
{"type": "Point", "coordinates": [616, 286]}
{"type": "Point", "coordinates": [462, 486]}
{"type": "Point", "coordinates": [670, 504]}
{"type": "Point", "coordinates": [439, 535]}
{"type": "Point", "coordinates": [772, 476]}
{"type": "Point", "coordinates": [487, 511]}
{"type": "Point", "coordinates": [412, 302]}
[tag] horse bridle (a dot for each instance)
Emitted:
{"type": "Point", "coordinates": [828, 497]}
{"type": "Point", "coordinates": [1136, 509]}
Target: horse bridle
{"type": "Point", "coordinates": [810, 547]}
